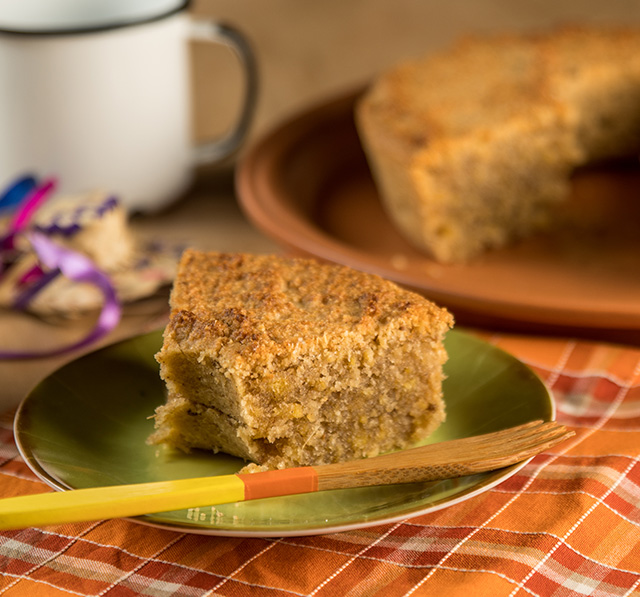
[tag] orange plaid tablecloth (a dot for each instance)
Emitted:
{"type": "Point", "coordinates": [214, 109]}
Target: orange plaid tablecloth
{"type": "Point", "coordinates": [567, 524]}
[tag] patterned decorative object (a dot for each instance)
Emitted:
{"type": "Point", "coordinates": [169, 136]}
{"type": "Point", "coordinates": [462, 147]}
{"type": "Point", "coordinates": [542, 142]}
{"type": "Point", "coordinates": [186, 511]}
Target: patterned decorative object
{"type": "Point", "coordinates": [88, 241]}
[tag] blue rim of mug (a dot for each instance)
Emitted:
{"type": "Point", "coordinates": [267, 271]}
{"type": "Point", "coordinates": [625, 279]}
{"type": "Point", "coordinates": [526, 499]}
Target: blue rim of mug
{"type": "Point", "coordinates": [95, 28]}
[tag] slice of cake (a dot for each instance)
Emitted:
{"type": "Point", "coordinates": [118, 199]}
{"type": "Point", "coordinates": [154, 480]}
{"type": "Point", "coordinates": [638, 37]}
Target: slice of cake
{"type": "Point", "coordinates": [288, 362]}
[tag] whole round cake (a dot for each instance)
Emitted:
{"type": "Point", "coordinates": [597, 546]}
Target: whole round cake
{"type": "Point", "coordinates": [473, 147]}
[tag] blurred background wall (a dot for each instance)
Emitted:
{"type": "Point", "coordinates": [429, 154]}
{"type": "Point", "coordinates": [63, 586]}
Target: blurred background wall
{"type": "Point", "coordinates": [311, 50]}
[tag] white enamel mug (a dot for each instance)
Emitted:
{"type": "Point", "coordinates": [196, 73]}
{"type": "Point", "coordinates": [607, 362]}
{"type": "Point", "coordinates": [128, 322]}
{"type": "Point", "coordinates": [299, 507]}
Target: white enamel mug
{"type": "Point", "coordinates": [97, 94]}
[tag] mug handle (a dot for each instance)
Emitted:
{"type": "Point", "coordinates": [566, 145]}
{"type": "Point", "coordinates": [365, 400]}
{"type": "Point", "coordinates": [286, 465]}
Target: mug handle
{"type": "Point", "coordinates": [228, 144]}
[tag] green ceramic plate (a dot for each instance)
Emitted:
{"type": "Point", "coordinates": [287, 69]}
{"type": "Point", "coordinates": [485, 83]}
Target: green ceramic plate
{"type": "Point", "coordinates": [86, 425]}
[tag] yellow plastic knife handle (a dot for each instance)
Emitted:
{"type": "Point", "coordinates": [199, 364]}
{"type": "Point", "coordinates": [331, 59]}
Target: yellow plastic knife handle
{"type": "Point", "coordinates": [118, 501]}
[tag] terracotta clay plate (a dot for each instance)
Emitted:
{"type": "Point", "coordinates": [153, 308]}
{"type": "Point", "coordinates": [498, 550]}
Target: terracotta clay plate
{"type": "Point", "coordinates": [307, 185]}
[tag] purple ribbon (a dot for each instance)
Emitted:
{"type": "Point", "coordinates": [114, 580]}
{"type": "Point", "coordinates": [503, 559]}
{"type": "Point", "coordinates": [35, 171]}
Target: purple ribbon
{"type": "Point", "coordinates": [58, 260]}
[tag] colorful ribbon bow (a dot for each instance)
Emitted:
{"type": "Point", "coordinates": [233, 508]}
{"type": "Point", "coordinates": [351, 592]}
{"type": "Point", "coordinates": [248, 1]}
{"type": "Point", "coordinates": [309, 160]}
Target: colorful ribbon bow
{"type": "Point", "coordinates": [21, 200]}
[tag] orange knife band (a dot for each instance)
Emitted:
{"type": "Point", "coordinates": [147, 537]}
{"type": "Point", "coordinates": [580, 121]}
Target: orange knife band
{"type": "Point", "coordinates": [280, 482]}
